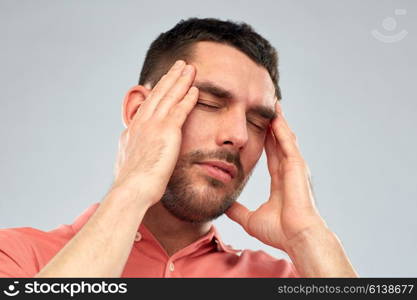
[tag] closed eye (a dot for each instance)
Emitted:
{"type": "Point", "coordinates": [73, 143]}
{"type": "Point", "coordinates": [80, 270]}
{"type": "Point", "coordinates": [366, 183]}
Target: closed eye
{"type": "Point", "coordinates": [261, 128]}
{"type": "Point", "coordinates": [208, 105]}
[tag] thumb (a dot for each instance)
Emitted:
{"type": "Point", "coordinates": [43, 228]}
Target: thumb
{"type": "Point", "coordinates": [239, 213]}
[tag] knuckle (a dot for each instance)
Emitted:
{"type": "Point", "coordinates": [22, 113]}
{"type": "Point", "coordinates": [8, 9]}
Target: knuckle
{"type": "Point", "coordinates": [175, 116]}
{"type": "Point", "coordinates": [172, 115]}
{"type": "Point", "coordinates": [169, 97]}
{"type": "Point", "coordinates": [159, 114]}
{"type": "Point", "coordinates": [162, 79]}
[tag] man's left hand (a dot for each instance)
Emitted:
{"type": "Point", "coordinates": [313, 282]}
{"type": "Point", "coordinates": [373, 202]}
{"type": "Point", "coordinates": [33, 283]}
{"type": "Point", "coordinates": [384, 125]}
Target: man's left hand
{"type": "Point", "coordinates": [290, 208]}
{"type": "Point", "coordinates": [289, 219]}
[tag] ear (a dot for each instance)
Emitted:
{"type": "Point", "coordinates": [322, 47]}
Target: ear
{"type": "Point", "coordinates": [133, 100]}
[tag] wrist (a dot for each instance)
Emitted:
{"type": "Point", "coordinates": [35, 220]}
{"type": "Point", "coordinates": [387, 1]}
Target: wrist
{"type": "Point", "coordinates": [318, 252]}
{"type": "Point", "coordinates": [308, 237]}
{"type": "Point", "coordinates": [135, 189]}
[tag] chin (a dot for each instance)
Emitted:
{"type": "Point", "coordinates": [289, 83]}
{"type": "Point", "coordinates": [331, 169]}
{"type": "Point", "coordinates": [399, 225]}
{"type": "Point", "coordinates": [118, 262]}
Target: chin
{"type": "Point", "coordinates": [197, 198]}
{"type": "Point", "coordinates": [197, 204]}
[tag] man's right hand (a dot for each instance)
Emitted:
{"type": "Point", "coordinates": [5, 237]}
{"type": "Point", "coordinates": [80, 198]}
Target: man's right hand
{"type": "Point", "coordinates": [149, 147]}
{"type": "Point", "coordinates": [149, 150]}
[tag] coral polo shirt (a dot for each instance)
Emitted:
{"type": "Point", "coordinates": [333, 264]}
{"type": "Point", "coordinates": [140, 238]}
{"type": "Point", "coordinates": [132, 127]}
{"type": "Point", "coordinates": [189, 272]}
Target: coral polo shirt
{"type": "Point", "coordinates": [25, 251]}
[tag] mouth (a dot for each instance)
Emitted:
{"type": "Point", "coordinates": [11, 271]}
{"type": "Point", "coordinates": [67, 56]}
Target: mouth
{"type": "Point", "coordinates": [219, 170]}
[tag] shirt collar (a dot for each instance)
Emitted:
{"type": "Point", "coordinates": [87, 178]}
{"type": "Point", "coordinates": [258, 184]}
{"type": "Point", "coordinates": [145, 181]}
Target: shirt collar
{"type": "Point", "coordinates": [211, 237]}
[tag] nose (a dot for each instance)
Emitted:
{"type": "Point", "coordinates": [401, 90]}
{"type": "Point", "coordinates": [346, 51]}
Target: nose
{"type": "Point", "coordinates": [233, 132]}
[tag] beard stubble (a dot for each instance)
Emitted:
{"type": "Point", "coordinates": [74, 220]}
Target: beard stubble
{"type": "Point", "coordinates": [198, 203]}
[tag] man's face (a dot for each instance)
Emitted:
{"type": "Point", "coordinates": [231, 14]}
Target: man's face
{"type": "Point", "coordinates": [223, 137]}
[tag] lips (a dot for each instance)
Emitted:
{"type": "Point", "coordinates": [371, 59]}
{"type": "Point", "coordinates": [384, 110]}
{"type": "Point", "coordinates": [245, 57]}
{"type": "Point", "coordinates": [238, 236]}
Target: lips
{"type": "Point", "coordinates": [219, 169]}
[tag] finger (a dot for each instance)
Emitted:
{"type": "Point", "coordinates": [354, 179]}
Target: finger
{"type": "Point", "coordinates": [161, 88]}
{"type": "Point", "coordinates": [273, 157]}
{"type": "Point", "coordinates": [177, 92]}
{"type": "Point", "coordinates": [181, 111]}
{"type": "Point", "coordinates": [239, 213]}
{"type": "Point", "coordinates": [285, 137]}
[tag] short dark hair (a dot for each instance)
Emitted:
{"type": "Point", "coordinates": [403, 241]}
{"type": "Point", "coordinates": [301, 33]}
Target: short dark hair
{"type": "Point", "coordinates": [177, 42]}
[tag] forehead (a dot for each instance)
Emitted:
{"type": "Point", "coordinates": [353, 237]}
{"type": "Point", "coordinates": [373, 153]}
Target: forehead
{"type": "Point", "coordinates": [231, 69]}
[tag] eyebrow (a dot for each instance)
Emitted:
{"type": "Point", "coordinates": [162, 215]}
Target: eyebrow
{"type": "Point", "coordinates": [216, 91]}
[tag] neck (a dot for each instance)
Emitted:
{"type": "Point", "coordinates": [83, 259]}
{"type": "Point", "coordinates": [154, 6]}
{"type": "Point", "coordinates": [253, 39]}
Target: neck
{"type": "Point", "coordinates": [173, 234]}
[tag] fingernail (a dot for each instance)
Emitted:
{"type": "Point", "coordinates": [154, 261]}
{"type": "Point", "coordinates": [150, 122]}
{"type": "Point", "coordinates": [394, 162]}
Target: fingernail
{"type": "Point", "coordinates": [178, 64]}
{"type": "Point", "coordinates": [193, 90]}
{"type": "Point", "coordinates": [187, 70]}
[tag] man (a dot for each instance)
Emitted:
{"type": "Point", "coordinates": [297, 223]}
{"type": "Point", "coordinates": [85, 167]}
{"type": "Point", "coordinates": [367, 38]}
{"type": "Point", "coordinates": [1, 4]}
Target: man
{"type": "Point", "coordinates": [206, 106]}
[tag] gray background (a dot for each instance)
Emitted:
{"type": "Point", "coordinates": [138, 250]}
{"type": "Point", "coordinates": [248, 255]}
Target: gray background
{"type": "Point", "coordinates": [66, 65]}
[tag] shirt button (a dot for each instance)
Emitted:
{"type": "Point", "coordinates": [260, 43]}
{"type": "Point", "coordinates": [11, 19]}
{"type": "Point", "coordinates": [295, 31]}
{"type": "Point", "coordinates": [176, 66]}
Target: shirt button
{"type": "Point", "coordinates": [138, 237]}
{"type": "Point", "coordinates": [171, 267]}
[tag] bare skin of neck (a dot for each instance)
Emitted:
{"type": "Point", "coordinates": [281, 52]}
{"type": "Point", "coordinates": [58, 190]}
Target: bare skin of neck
{"type": "Point", "coordinates": [172, 233]}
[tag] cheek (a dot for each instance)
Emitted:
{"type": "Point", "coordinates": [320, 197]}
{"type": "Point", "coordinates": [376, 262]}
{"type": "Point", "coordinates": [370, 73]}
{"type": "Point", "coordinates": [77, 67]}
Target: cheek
{"type": "Point", "coordinates": [201, 135]}
{"type": "Point", "coordinates": [251, 157]}
{"type": "Point", "coordinates": [195, 133]}
{"type": "Point", "coordinates": [252, 153]}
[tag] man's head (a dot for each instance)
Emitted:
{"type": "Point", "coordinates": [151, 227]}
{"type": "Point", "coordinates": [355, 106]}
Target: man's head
{"type": "Point", "coordinates": [237, 77]}
{"type": "Point", "coordinates": [179, 41]}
